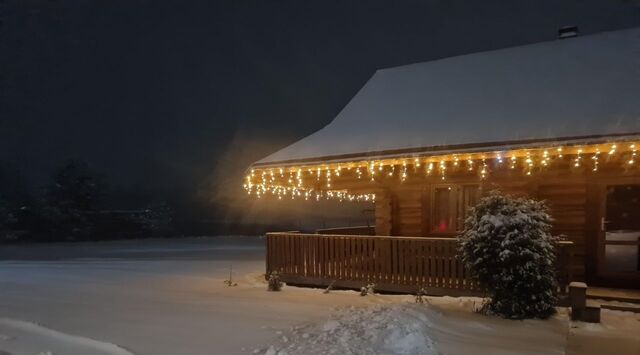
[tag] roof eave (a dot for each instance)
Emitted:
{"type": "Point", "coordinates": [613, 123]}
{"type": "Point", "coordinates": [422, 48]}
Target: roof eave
{"type": "Point", "coordinates": [450, 149]}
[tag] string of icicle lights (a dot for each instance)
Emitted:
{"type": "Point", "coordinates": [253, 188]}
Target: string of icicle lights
{"type": "Point", "coordinates": [317, 181]}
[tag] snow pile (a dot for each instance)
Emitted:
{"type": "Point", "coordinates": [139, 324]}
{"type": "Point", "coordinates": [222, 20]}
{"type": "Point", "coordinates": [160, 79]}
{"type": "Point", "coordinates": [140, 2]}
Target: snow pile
{"type": "Point", "coordinates": [444, 325]}
{"type": "Point", "coordinates": [378, 329]}
{"type": "Point", "coordinates": [22, 337]}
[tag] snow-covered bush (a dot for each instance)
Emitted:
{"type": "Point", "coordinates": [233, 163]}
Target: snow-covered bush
{"type": "Point", "coordinates": [7, 220]}
{"type": "Point", "coordinates": [421, 295]}
{"type": "Point", "coordinates": [507, 247]}
{"type": "Point", "coordinates": [368, 289]}
{"type": "Point", "coordinates": [274, 282]}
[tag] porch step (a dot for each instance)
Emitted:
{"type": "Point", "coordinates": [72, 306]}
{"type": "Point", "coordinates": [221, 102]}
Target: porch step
{"type": "Point", "coordinates": [623, 308]}
{"type": "Point", "coordinates": [581, 309]}
{"type": "Point", "coordinates": [612, 294]}
{"type": "Point", "coordinates": [591, 313]}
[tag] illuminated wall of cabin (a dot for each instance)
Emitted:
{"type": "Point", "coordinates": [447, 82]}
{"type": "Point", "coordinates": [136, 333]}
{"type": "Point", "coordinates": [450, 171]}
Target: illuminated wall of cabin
{"type": "Point", "coordinates": [574, 199]}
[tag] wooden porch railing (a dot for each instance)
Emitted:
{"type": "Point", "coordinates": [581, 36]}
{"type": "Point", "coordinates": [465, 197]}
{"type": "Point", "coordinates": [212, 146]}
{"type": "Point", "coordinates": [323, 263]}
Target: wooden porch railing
{"type": "Point", "coordinates": [394, 264]}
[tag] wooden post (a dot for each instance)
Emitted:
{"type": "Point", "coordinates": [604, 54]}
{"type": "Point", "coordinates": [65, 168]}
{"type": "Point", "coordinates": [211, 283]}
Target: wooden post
{"type": "Point", "coordinates": [578, 299]}
{"type": "Point", "coordinates": [580, 309]}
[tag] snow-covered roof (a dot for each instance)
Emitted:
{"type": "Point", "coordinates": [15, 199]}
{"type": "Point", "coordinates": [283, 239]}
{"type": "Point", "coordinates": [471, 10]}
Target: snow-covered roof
{"type": "Point", "coordinates": [576, 87]}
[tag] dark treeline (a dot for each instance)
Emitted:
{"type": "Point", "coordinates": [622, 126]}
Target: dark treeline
{"type": "Point", "coordinates": [73, 206]}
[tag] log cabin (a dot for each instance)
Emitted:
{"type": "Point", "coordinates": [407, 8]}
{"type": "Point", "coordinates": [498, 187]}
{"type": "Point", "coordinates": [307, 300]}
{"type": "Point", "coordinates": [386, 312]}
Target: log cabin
{"type": "Point", "coordinates": [557, 121]}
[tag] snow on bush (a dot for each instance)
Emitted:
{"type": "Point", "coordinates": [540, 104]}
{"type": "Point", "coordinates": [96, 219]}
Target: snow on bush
{"type": "Point", "coordinates": [509, 251]}
{"type": "Point", "coordinates": [368, 289]}
{"type": "Point", "coordinates": [274, 283]}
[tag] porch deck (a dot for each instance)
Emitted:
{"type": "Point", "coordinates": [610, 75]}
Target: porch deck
{"type": "Point", "coordinates": [392, 263]}
{"type": "Point", "coordinates": [614, 294]}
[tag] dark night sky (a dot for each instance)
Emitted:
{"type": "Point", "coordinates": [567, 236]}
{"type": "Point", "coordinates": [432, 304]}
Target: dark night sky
{"type": "Point", "coordinates": [176, 98]}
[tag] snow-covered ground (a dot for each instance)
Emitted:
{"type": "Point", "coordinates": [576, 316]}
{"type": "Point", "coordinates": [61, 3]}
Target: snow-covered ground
{"type": "Point", "coordinates": [168, 297]}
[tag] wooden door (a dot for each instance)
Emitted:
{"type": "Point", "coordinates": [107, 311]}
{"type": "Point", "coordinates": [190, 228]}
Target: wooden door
{"type": "Point", "coordinates": [619, 236]}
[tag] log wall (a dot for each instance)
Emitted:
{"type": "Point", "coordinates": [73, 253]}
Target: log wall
{"type": "Point", "coordinates": [566, 193]}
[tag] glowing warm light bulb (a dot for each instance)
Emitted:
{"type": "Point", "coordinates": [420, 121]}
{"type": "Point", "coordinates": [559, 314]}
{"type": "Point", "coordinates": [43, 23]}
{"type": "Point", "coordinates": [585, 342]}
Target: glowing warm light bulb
{"type": "Point", "coordinates": [529, 164]}
{"type": "Point", "coordinates": [577, 159]}
{"type": "Point", "coordinates": [545, 158]}
{"type": "Point", "coordinates": [483, 171]}
{"type": "Point", "coordinates": [271, 180]}
{"type": "Point", "coordinates": [443, 168]}
{"type": "Point", "coordinates": [595, 158]}
{"type": "Point", "coordinates": [429, 168]}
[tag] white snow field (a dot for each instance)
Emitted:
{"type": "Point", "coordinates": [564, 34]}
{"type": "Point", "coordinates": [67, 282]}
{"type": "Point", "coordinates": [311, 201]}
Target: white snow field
{"type": "Point", "coordinates": [31, 338]}
{"type": "Point", "coordinates": [168, 297]}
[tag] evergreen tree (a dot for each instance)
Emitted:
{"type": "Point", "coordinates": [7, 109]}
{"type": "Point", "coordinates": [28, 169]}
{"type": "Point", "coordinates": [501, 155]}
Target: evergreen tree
{"type": "Point", "coordinates": [509, 251]}
{"type": "Point", "coordinates": [70, 199]}
{"type": "Point", "coordinates": [7, 220]}
{"type": "Point", "coordinates": [157, 219]}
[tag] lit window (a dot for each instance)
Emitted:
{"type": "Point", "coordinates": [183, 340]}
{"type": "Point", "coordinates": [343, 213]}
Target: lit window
{"type": "Point", "coordinates": [450, 206]}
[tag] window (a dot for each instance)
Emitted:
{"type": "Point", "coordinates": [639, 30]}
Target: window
{"type": "Point", "coordinates": [443, 207]}
{"type": "Point", "coordinates": [450, 206]}
{"type": "Point", "coordinates": [470, 196]}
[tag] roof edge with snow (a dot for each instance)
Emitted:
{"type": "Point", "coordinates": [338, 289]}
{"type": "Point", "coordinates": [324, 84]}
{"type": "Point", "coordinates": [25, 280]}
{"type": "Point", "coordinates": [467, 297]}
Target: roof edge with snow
{"type": "Point", "coordinates": [561, 92]}
{"type": "Point", "coordinates": [452, 149]}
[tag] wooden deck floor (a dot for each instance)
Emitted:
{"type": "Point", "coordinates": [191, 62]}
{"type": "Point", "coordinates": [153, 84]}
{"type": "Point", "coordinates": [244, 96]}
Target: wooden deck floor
{"type": "Point", "coordinates": [614, 294]}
